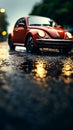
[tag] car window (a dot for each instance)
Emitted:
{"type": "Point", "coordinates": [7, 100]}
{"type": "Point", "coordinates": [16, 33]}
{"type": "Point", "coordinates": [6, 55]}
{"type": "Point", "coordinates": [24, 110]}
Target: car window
{"type": "Point", "coordinates": [41, 21]}
{"type": "Point", "coordinates": [21, 20]}
{"type": "Point", "coordinates": [38, 21]}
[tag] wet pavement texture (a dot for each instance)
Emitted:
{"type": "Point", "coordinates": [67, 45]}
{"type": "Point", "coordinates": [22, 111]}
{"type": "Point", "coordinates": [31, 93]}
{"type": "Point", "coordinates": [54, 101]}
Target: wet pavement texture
{"type": "Point", "coordinates": [36, 90]}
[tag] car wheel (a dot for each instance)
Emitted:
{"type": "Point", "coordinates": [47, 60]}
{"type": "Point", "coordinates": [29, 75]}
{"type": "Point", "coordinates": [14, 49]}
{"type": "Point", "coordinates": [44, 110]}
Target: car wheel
{"type": "Point", "coordinates": [10, 43]}
{"type": "Point", "coordinates": [30, 45]}
{"type": "Point", "coordinates": [65, 50]}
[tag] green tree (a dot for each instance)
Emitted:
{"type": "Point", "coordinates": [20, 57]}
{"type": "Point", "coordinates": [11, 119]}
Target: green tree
{"type": "Point", "coordinates": [3, 24]}
{"type": "Point", "coordinates": [59, 10]}
{"type": "Point", "coordinates": [3, 19]}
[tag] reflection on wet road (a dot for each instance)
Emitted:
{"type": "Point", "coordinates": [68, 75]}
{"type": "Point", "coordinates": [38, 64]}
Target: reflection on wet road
{"type": "Point", "coordinates": [43, 69]}
{"type": "Point", "coordinates": [36, 91]}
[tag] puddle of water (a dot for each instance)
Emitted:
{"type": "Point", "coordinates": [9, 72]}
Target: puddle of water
{"type": "Point", "coordinates": [42, 70]}
{"type": "Point", "coordinates": [67, 70]}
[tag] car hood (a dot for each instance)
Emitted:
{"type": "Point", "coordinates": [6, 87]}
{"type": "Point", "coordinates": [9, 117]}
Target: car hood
{"type": "Point", "coordinates": [53, 32]}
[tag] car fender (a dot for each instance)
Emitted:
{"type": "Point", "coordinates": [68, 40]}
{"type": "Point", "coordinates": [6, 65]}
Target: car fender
{"type": "Point", "coordinates": [33, 33]}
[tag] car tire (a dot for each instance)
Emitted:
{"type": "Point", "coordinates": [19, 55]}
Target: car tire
{"type": "Point", "coordinates": [10, 43]}
{"type": "Point", "coordinates": [30, 48]}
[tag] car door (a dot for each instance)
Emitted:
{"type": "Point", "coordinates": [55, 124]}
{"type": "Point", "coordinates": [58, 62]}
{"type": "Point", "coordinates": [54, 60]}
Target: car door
{"type": "Point", "coordinates": [19, 31]}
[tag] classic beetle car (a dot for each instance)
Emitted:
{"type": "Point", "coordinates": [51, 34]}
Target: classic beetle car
{"type": "Point", "coordinates": [35, 32]}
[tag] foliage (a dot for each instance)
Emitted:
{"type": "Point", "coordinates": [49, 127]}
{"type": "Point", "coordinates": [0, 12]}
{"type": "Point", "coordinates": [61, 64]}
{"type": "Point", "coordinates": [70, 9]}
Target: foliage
{"type": "Point", "coordinates": [3, 21]}
{"type": "Point", "coordinates": [59, 10]}
{"type": "Point", "coordinates": [3, 25]}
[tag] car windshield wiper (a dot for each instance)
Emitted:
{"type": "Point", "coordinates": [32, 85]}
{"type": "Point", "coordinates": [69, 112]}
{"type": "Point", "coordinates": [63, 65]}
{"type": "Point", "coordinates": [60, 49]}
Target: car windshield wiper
{"type": "Point", "coordinates": [46, 25]}
{"type": "Point", "coordinates": [35, 25]}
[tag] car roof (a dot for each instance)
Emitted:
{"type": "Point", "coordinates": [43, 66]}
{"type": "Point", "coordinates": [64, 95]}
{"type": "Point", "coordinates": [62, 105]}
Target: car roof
{"type": "Point", "coordinates": [36, 16]}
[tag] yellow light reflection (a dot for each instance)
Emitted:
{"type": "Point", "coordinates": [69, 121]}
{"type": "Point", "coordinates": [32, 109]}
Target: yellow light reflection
{"type": "Point", "coordinates": [67, 69]}
{"type": "Point", "coordinates": [40, 71]}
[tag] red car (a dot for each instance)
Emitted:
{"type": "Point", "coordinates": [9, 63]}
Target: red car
{"type": "Point", "coordinates": [35, 32]}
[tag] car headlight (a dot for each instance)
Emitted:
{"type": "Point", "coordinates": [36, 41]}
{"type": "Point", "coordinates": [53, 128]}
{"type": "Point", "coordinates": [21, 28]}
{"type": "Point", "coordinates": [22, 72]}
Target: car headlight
{"type": "Point", "coordinates": [69, 35]}
{"type": "Point", "coordinates": [41, 33]}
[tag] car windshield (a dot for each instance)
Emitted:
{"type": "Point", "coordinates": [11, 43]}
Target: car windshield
{"type": "Point", "coordinates": [40, 21]}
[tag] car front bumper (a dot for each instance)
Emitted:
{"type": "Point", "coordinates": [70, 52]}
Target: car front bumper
{"type": "Point", "coordinates": [54, 43]}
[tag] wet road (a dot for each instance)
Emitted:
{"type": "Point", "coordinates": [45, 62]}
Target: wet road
{"type": "Point", "coordinates": [36, 91]}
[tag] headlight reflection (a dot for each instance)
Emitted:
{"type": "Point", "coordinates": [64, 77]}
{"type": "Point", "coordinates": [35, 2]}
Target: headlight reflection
{"type": "Point", "coordinates": [67, 69]}
{"type": "Point", "coordinates": [39, 70]}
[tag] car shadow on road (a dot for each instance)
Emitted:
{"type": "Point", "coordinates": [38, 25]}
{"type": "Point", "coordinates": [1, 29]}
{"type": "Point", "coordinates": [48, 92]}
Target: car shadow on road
{"type": "Point", "coordinates": [52, 53]}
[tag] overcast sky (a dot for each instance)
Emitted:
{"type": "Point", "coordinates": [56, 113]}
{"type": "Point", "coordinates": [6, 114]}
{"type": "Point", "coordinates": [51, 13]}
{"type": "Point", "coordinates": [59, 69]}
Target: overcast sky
{"type": "Point", "coordinates": [16, 9]}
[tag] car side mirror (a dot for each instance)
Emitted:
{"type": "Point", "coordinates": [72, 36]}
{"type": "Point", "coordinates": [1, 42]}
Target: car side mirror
{"type": "Point", "coordinates": [22, 25]}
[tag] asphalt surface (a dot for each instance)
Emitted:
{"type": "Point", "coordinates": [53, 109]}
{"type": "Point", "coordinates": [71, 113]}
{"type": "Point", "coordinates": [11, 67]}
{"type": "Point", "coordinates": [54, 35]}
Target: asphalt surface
{"type": "Point", "coordinates": [36, 90]}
